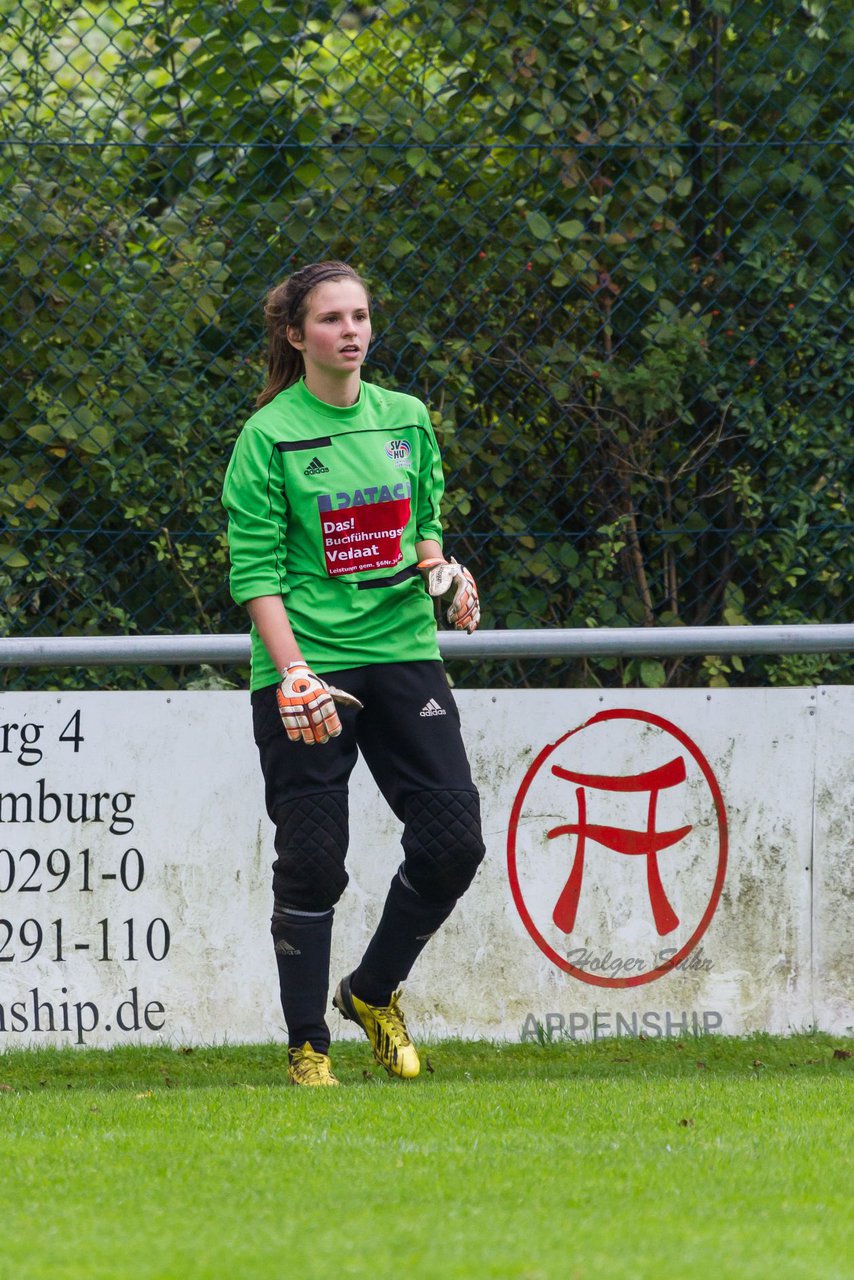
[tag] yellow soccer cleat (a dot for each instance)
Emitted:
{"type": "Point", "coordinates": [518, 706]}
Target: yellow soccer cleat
{"type": "Point", "coordinates": [385, 1028]}
{"type": "Point", "coordinates": [305, 1067]}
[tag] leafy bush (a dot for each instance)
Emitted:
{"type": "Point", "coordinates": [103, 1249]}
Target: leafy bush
{"type": "Point", "coordinates": [607, 245]}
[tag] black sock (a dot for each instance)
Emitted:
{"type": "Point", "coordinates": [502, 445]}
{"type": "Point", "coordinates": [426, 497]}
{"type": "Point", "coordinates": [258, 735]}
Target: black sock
{"type": "Point", "coordinates": [407, 924]}
{"type": "Point", "coordinates": [302, 942]}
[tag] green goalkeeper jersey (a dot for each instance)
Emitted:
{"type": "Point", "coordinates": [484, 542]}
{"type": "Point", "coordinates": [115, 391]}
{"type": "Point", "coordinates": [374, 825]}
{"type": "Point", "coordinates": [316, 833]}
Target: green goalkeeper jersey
{"type": "Point", "coordinates": [325, 506]}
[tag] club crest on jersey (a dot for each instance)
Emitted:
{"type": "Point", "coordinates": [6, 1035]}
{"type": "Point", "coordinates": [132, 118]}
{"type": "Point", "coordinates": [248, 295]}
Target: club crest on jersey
{"type": "Point", "coordinates": [400, 451]}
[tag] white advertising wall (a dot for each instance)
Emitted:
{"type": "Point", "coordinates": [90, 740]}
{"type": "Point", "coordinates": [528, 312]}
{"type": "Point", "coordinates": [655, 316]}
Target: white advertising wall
{"type": "Point", "coordinates": [657, 863]}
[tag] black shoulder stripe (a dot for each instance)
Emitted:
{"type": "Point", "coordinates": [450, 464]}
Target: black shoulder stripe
{"type": "Point", "coordinates": [383, 431]}
{"type": "Point", "coordinates": [292, 446]}
{"type": "Point", "coordinates": [324, 442]}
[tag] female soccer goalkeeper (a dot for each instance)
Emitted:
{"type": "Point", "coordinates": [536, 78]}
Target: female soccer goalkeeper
{"type": "Point", "coordinates": [333, 495]}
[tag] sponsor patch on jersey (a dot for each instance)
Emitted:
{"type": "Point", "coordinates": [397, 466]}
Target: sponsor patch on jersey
{"type": "Point", "coordinates": [368, 496]}
{"type": "Point", "coordinates": [363, 537]}
{"type": "Point", "coordinates": [400, 451]}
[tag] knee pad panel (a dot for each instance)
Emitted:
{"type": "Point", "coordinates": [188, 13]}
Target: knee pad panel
{"type": "Point", "coordinates": [442, 842]}
{"type": "Point", "coordinates": [311, 845]}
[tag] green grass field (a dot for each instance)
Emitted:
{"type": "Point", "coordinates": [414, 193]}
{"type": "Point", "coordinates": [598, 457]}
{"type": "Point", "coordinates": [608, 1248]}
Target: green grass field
{"type": "Point", "coordinates": [727, 1159]}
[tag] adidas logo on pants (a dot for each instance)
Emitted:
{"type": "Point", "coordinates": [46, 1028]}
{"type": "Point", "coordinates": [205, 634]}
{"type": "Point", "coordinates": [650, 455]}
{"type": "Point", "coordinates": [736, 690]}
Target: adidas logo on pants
{"type": "Point", "coordinates": [432, 708]}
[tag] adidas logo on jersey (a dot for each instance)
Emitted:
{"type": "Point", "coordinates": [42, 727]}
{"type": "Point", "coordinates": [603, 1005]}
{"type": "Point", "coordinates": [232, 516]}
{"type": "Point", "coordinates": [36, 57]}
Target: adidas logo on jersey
{"type": "Point", "coordinates": [315, 468]}
{"type": "Point", "coordinates": [432, 708]}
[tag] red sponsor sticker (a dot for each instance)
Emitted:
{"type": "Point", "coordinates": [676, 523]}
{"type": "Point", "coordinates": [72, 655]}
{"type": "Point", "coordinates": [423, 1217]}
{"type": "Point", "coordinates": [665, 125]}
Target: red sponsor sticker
{"type": "Point", "coordinates": [364, 537]}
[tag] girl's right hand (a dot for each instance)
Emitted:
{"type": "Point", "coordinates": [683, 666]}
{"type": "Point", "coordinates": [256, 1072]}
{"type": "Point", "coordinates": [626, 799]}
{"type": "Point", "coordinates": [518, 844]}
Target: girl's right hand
{"type": "Point", "coordinates": [307, 705]}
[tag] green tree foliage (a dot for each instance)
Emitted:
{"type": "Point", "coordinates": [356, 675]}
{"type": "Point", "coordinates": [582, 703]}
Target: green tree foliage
{"type": "Point", "coordinates": [607, 246]}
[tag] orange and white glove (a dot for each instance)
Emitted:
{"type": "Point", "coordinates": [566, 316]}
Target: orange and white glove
{"type": "Point", "coordinates": [449, 581]}
{"type": "Point", "coordinates": [307, 705]}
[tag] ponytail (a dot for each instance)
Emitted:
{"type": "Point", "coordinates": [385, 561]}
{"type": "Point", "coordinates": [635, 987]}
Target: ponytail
{"type": "Point", "coordinates": [285, 307]}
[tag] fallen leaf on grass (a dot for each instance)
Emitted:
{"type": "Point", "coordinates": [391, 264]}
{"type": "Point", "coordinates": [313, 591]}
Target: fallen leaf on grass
{"type": "Point", "coordinates": [148, 1094]}
{"type": "Point", "coordinates": [687, 1123]}
{"type": "Point", "coordinates": [758, 1063]}
{"type": "Point", "coordinates": [701, 1066]}
{"type": "Point", "coordinates": [842, 1054]}
{"type": "Point", "coordinates": [368, 1075]}
{"type": "Point", "coordinates": [7, 1088]}
{"type": "Point", "coordinates": [621, 1059]}
{"type": "Point", "coordinates": [429, 1068]}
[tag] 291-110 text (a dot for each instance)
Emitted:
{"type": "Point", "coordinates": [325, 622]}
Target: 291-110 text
{"type": "Point", "coordinates": [130, 941]}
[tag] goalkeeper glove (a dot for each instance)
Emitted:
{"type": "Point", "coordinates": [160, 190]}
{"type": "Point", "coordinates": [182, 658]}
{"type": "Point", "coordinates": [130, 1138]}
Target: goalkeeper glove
{"type": "Point", "coordinates": [307, 705]}
{"type": "Point", "coordinates": [449, 581]}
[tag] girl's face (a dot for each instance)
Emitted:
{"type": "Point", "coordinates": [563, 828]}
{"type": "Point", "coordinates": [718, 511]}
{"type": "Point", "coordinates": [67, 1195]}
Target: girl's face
{"type": "Point", "coordinates": [336, 332]}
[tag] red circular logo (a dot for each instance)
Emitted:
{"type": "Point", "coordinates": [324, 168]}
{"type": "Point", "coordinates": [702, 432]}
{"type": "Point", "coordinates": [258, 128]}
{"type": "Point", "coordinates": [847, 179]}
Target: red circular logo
{"type": "Point", "coordinates": [617, 848]}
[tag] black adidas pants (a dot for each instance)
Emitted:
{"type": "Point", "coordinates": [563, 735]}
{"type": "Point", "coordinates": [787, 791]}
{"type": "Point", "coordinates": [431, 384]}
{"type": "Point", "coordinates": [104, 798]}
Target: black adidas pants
{"type": "Point", "coordinates": [409, 735]}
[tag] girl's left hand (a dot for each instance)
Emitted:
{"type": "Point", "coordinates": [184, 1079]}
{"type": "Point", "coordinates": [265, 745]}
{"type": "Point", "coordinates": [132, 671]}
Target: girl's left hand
{"type": "Point", "coordinates": [448, 580]}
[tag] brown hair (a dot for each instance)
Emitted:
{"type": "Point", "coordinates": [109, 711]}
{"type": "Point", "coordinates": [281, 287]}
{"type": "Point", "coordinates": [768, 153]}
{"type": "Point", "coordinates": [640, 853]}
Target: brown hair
{"type": "Point", "coordinates": [285, 306]}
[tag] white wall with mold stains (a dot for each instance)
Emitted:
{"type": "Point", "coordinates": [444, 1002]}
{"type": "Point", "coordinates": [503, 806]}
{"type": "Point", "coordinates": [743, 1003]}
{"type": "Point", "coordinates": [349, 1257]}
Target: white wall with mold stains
{"type": "Point", "coordinates": [657, 863]}
{"type": "Point", "coordinates": [833, 875]}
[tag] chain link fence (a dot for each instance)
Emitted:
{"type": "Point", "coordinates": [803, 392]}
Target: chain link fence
{"type": "Point", "coordinates": [606, 243]}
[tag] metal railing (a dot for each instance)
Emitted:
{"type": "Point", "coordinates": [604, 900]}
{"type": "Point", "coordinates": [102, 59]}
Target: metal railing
{"type": "Point", "coordinates": [96, 651]}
